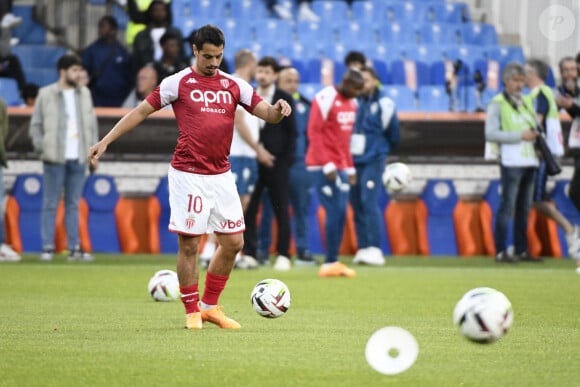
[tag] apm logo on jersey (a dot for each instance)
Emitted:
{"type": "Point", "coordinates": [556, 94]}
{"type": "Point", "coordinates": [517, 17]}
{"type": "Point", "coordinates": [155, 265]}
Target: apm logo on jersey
{"type": "Point", "coordinates": [210, 97]}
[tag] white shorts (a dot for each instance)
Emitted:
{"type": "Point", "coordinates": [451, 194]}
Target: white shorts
{"type": "Point", "coordinates": [203, 204]}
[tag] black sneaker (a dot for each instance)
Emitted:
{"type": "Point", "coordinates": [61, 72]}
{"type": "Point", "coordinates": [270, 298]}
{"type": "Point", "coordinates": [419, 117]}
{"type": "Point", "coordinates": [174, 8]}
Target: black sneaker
{"type": "Point", "coordinates": [504, 257]}
{"type": "Point", "coordinates": [305, 259]}
{"type": "Point", "coordinates": [80, 256]}
{"type": "Point", "coordinates": [526, 257]}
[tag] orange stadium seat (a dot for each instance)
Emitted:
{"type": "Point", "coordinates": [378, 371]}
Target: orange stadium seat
{"type": "Point", "coordinates": [400, 221]}
{"type": "Point", "coordinates": [468, 229]}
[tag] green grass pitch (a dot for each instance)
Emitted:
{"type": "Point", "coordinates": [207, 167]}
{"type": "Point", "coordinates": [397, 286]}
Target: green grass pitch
{"type": "Point", "coordinates": [70, 324]}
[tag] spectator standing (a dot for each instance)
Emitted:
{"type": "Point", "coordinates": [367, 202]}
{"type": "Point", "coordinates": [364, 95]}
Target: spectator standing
{"type": "Point", "coordinates": [29, 94]}
{"type": "Point", "coordinates": [202, 192]}
{"type": "Point", "coordinates": [7, 254]}
{"type": "Point", "coordinates": [62, 127]}
{"type": "Point", "coordinates": [138, 17]}
{"type": "Point", "coordinates": [329, 161]}
{"type": "Point", "coordinates": [546, 110]}
{"type": "Point", "coordinates": [147, 80]}
{"type": "Point", "coordinates": [289, 80]}
{"type": "Point", "coordinates": [171, 60]}
{"type": "Point", "coordinates": [107, 63]}
{"type": "Point", "coordinates": [376, 133]}
{"type": "Point", "coordinates": [280, 140]}
{"type": "Point", "coordinates": [568, 98]}
{"type": "Point", "coordinates": [147, 45]}
{"type": "Point", "coordinates": [510, 123]}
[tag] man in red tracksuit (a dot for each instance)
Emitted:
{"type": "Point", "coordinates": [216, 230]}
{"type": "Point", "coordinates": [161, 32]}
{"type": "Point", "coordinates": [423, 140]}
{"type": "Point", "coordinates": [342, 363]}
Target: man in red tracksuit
{"type": "Point", "coordinates": [329, 161]}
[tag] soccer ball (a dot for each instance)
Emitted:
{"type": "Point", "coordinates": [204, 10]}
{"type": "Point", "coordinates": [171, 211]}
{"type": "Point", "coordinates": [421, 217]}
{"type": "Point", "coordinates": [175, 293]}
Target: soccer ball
{"type": "Point", "coordinates": [483, 315]}
{"type": "Point", "coordinates": [164, 286]}
{"type": "Point", "coordinates": [270, 298]}
{"type": "Point", "coordinates": [396, 177]}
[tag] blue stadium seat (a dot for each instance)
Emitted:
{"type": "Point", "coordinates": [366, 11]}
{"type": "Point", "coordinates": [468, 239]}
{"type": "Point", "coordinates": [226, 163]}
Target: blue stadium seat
{"type": "Point", "coordinates": [481, 34]}
{"type": "Point", "coordinates": [400, 69]}
{"type": "Point", "coordinates": [247, 9]}
{"type": "Point", "coordinates": [381, 51]}
{"type": "Point", "coordinates": [567, 208]}
{"type": "Point", "coordinates": [506, 54]}
{"type": "Point", "coordinates": [450, 12]}
{"type": "Point", "coordinates": [369, 12]}
{"type": "Point", "coordinates": [315, 67]}
{"type": "Point", "coordinates": [41, 76]}
{"type": "Point", "coordinates": [27, 191]}
{"type": "Point", "coordinates": [38, 55]}
{"type": "Point", "coordinates": [437, 72]}
{"type": "Point", "coordinates": [121, 16]}
{"type": "Point", "coordinates": [397, 33]}
{"type": "Point", "coordinates": [334, 50]}
{"type": "Point", "coordinates": [408, 12]}
{"type": "Point", "coordinates": [382, 69]}
{"type": "Point", "coordinates": [206, 10]}
{"type": "Point", "coordinates": [235, 30]}
{"type": "Point", "coordinates": [482, 68]}
{"type": "Point", "coordinates": [9, 92]}
{"type": "Point", "coordinates": [440, 198]}
{"type": "Point", "coordinates": [470, 100]}
{"type": "Point", "coordinates": [29, 31]}
{"type": "Point", "coordinates": [310, 33]}
{"type": "Point", "coordinates": [308, 90]}
{"type": "Point", "coordinates": [426, 53]}
{"type": "Point", "coordinates": [167, 239]}
{"type": "Point", "coordinates": [433, 99]}
{"type": "Point", "coordinates": [273, 29]}
{"type": "Point", "coordinates": [403, 97]}
{"type": "Point", "coordinates": [330, 10]}
{"type": "Point", "coordinates": [101, 195]}
{"type": "Point", "coordinates": [352, 33]}
{"type": "Point", "coordinates": [439, 33]}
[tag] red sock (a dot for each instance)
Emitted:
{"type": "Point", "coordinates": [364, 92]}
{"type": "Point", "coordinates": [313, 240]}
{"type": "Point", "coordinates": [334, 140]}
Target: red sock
{"type": "Point", "coordinates": [190, 298]}
{"type": "Point", "coordinates": [214, 285]}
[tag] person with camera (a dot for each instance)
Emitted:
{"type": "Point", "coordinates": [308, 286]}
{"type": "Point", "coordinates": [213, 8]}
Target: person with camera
{"type": "Point", "coordinates": [544, 102]}
{"type": "Point", "coordinates": [510, 126]}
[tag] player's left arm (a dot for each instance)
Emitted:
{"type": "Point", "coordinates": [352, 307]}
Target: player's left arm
{"type": "Point", "coordinates": [273, 113]}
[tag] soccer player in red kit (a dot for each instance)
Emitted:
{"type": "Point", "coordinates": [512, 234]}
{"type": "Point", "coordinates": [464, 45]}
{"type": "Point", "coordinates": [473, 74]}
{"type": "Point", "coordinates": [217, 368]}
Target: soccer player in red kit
{"type": "Point", "coordinates": [329, 161]}
{"type": "Point", "coordinates": [202, 191]}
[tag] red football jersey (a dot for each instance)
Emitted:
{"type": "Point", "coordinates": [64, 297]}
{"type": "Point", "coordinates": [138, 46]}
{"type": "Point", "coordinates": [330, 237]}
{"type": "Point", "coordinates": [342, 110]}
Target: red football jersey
{"type": "Point", "coordinates": [330, 126]}
{"type": "Point", "coordinates": [204, 109]}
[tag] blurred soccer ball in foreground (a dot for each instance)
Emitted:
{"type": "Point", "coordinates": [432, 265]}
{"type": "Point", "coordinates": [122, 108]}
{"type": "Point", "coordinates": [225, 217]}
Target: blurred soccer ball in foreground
{"type": "Point", "coordinates": [396, 177]}
{"type": "Point", "coordinates": [483, 315]}
{"type": "Point", "coordinates": [164, 286]}
{"type": "Point", "coordinates": [270, 298]}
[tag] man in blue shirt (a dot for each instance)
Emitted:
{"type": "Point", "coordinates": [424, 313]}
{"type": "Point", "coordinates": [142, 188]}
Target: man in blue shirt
{"type": "Point", "coordinates": [376, 133]}
{"type": "Point", "coordinates": [108, 65]}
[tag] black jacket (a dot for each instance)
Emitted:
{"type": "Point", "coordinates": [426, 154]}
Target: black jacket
{"type": "Point", "coordinates": [280, 139]}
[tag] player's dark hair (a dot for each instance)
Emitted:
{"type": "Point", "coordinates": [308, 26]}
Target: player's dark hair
{"type": "Point", "coordinates": [269, 61]}
{"type": "Point", "coordinates": [65, 62]}
{"type": "Point", "coordinates": [209, 34]}
{"type": "Point", "coordinates": [354, 57]}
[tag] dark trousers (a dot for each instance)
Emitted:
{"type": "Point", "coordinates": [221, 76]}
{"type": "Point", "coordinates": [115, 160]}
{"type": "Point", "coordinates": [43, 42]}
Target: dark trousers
{"type": "Point", "coordinates": [574, 191]}
{"type": "Point", "coordinates": [275, 179]}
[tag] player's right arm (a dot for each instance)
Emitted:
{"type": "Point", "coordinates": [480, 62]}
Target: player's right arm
{"type": "Point", "coordinates": [125, 124]}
